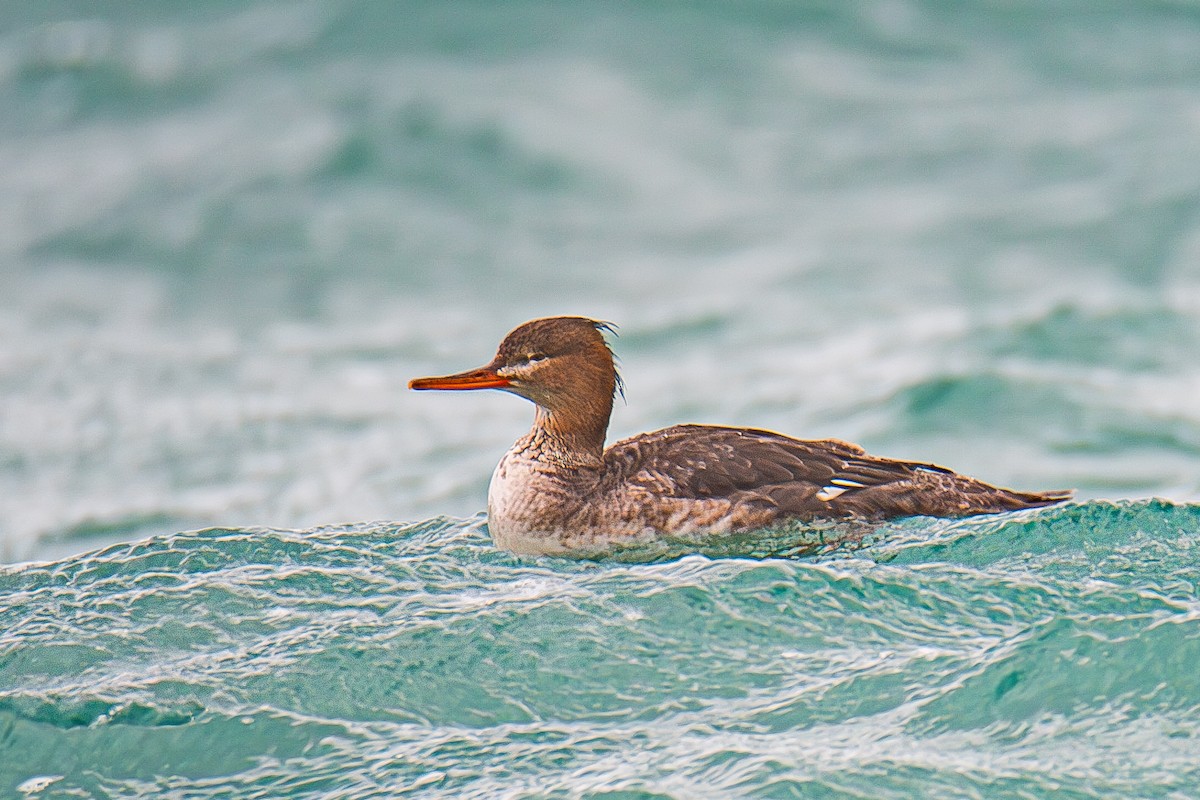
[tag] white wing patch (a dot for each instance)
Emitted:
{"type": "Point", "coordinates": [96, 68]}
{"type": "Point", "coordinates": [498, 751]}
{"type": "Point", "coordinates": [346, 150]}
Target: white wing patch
{"type": "Point", "coordinates": [836, 488]}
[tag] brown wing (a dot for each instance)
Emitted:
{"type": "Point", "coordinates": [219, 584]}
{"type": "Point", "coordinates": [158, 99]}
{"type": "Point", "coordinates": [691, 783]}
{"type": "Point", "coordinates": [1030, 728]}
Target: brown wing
{"type": "Point", "coordinates": [814, 479]}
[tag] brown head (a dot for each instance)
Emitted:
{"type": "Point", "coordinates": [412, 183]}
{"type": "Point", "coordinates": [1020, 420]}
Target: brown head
{"type": "Point", "coordinates": [563, 365]}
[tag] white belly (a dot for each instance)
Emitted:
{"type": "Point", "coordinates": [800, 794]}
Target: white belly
{"type": "Point", "coordinates": [515, 496]}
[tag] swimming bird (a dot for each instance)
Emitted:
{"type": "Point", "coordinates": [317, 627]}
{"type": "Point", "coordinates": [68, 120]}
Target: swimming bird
{"type": "Point", "coordinates": [559, 490]}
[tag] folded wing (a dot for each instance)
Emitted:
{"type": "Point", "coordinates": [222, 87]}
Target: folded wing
{"type": "Point", "coordinates": [817, 479]}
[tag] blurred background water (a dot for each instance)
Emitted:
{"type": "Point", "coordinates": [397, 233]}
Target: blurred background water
{"type": "Point", "coordinates": [967, 233]}
{"type": "Point", "coordinates": [230, 232]}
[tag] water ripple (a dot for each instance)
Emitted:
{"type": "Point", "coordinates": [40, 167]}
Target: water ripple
{"type": "Point", "coordinates": [1015, 654]}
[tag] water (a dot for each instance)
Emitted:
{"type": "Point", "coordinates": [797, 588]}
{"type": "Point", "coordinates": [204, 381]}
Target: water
{"type": "Point", "coordinates": [230, 233]}
{"type": "Point", "coordinates": [1048, 653]}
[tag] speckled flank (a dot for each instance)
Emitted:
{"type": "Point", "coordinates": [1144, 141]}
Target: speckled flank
{"type": "Point", "coordinates": [534, 508]}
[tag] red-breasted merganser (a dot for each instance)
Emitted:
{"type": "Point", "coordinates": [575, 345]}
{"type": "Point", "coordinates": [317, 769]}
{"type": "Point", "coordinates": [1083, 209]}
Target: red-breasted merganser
{"type": "Point", "coordinates": [559, 490]}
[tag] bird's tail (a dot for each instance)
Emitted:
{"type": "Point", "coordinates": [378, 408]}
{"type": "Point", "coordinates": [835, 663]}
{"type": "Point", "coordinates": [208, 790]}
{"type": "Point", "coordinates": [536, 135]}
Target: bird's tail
{"type": "Point", "coordinates": [1038, 499]}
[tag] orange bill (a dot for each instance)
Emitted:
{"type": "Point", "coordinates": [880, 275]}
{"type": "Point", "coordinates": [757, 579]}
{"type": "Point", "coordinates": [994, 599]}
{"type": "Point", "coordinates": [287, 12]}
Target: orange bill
{"type": "Point", "coordinates": [482, 378]}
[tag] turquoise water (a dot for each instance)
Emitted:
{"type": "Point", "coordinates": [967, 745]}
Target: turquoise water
{"type": "Point", "coordinates": [1047, 654]}
{"type": "Point", "coordinates": [966, 233]}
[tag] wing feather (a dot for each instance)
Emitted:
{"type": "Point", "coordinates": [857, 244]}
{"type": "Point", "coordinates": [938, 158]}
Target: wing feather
{"type": "Point", "coordinates": [799, 478]}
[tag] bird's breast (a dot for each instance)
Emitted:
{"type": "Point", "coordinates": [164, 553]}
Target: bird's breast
{"type": "Point", "coordinates": [532, 506]}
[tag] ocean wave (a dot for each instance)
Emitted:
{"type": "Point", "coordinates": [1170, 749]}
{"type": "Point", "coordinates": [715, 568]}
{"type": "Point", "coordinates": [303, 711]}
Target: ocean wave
{"type": "Point", "coordinates": [420, 656]}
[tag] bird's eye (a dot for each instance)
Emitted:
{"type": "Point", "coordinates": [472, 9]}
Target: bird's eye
{"type": "Point", "coordinates": [533, 358]}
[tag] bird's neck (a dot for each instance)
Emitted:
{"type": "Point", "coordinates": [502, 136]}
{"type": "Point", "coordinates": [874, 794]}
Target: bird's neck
{"type": "Point", "coordinates": [572, 438]}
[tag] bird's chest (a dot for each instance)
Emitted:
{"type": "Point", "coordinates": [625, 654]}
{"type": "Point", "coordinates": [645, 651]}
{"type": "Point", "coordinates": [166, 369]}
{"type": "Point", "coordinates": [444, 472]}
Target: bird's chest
{"type": "Point", "coordinates": [530, 506]}
{"type": "Point", "coordinates": [513, 490]}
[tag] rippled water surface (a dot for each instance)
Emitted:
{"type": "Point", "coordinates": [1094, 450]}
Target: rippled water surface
{"type": "Point", "coordinates": [1046, 653]}
{"type": "Point", "coordinates": [230, 232]}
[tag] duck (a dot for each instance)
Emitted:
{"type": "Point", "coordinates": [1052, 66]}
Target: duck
{"type": "Point", "coordinates": [560, 490]}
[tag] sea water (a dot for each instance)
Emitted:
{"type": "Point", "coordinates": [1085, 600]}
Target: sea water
{"type": "Point", "coordinates": [966, 233]}
{"type": "Point", "coordinates": [1042, 654]}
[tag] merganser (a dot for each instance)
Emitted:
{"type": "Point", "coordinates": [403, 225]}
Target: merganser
{"type": "Point", "coordinates": [559, 490]}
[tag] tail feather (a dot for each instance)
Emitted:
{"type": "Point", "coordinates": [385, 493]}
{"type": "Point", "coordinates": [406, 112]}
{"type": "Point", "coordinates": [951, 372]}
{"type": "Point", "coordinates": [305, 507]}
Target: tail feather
{"type": "Point", "coordinates": [1038, 499]}
{"type": "Point", "coordinates": [959, 495]}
